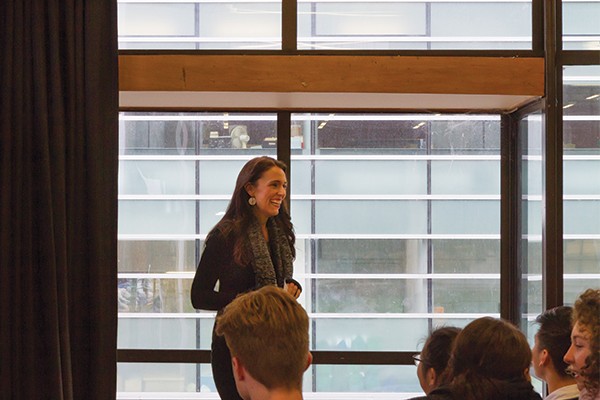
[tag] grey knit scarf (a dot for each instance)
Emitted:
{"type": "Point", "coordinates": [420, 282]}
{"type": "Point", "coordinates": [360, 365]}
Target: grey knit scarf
{"type": "Point", "coordinates": [270, 270]}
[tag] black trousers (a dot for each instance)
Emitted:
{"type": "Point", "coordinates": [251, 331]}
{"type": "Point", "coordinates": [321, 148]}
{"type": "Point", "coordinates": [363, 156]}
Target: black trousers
{"type": "Point", "coordinates": [220, 360]}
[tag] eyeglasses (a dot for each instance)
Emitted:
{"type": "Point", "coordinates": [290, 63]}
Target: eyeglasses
{"type": "Point", "coordinates": [417, 359]}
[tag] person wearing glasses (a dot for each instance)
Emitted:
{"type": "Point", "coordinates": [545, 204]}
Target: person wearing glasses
{"type": "Point", "coordinates": [490, 360]}
{"type": "Point", "coordinates": [432, 363]}
{"type": "Point", "coordinates": [552, 341]}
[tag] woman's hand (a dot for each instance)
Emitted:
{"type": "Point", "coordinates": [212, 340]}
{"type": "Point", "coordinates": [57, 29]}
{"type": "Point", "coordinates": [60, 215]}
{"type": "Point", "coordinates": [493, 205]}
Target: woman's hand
{"type": "Point", "coordinates": [292, 289]}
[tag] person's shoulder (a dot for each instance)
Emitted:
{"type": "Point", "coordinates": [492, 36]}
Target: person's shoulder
{"type": "Point", "coordinates": [441, 393]}
{"type": "Point", "coordinates": [221, 233]}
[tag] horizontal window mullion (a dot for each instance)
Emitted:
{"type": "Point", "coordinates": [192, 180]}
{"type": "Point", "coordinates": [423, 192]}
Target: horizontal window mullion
{"type": "Point", "coordinates": [158, 237]}
{"type": "Point", "coordinates": [396, 157]}
{"type": "Point", "coordinates": [384, 197]}
{"type": "Point", "coordinates": [538, 277]}
{"type": "Point", "coordinates": [317, 315]}
{"type": "Point", "coordinates": [172, 157]}
{"type": "Point", "coordinates": [161, 237]}
{"type": "Point", "coordinates": [327, 157]}
{"type": "Point", "coordinates": [437, 276]}
{"type": "Point", "coordinates": [399, 236]}
{"type": "Point", "coordinates": [319, 357]}
{"type": "Point", "coordinates": [325, 197]}
{"type": "Point", "coordinates": [401, 276]}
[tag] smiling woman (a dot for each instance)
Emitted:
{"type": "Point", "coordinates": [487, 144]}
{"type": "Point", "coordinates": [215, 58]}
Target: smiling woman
{"type": "Point", "coordinates": [251, 247]}
{"type": "Point", "coordinates": [583, 356]}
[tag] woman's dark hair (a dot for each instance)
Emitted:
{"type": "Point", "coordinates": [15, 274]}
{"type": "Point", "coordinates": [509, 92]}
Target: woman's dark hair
{"type": "Point", "coordinates": [554, 335]}
{"type": "Point", "coordinates": [489, 360]}
{"type": "Point", "coordinates": [239, 213]}
{"type": "Point", "coordinates": [586, 312]}
{"type": "Point", "coordinates": [436, 351]}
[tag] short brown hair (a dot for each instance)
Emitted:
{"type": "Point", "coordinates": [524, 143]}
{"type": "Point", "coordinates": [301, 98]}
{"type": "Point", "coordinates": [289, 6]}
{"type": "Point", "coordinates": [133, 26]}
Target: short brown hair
{"type": "Point", "coordinates": [267, 330]}
{"type": "Point", "coordinates": [554, 335]}
{"type": "Point", "coordinates": [489, 356]}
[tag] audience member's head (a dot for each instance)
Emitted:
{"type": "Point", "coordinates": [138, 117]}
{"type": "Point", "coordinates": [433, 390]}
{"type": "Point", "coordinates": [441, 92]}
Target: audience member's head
{"type": "Point", "coordinates": [432, 369]}
{"type": "Point", "coordinates": [491, 360]}
{"type": "Point", "coordinates": [583, 356]}
{"type": "Point", "coordinates": [267, 333]}
{"type": "Point", "coordinates": [552, 341]}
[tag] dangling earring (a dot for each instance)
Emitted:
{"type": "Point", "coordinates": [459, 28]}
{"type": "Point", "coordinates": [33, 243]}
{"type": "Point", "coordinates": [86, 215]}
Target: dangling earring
{"type": "Point", "coordinates": [252, 201]}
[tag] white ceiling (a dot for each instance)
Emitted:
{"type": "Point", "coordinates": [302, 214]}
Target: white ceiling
{"type": "Point", "coordinates": [320, 101]}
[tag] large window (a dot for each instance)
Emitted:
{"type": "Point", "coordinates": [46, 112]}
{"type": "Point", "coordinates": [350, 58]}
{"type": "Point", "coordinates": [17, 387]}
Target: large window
{"type": "Point", "coordinates": [200, 24]}
{"type": "Point", "coordinates": [397, 215]}
{"type": "Point", "coordinates": [414, 25]}
{"type": "Point", "coordinates": [397, 218]}
{"type": "Point", "coordinates": [581, 185]}
{"type": "Point", "coordinates": [327, 25]}
{"type": "Point", "coordinates": [176, 175]}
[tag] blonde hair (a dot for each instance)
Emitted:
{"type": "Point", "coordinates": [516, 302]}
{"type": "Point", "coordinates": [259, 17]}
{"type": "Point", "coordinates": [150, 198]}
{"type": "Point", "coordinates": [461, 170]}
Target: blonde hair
{"type": "Point", "coordinates": [267, 330]}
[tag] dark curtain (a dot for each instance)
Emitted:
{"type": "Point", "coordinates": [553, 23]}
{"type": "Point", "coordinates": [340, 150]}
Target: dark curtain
{"type": "Point", "coordinates": [58, 199]}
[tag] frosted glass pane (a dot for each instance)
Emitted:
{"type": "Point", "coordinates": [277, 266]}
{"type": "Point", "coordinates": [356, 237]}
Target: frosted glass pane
{"type": "Point", "coordinates": [371, 256]}
{"type": "Point", "coordinates": [533, 212]}
{"type": "Point", "coordinates": [466, 256]}
{"type": "Point", "coordinates": [370, 295]}
{"type": "Point", "coordinates": [200, 25]}
{"type": "Point", "coordinates": [301, 177]}
{"type": "Point", "coordinates": [156, 134]}
{"type": "Point", "coordinates": [531, 131]}
{"type": "Point", "coordinates": [368, 334]}
{"type": "Point", "coordinates": [581, 217]}
{"type": "Point", "coordinates": [365, 378]}
{"type": "Point", "coordinates": [157, 217]}
{"type": "Point", "coordinates": [574, 287]}
{"type": "Point", "coordinates": [534, 298]}
{"type": "Point", "coordinates": [581, 18]}
{"type": "Point", "coordinates": [582, 256]}
{"type": "Point", "coordinates": [411, 25]}
{"type": "Point", "coordinates": [532, 254]}
{"type": "Point", "coordinates": [371, 217]}
{"type": "Point", "coordinates": [532, 177]}
{"type": "Point", "coordinates": [370, 177]}
{"type": "Point", "coordinates": [466, 296]}
{"type": "Point", "coordinates": [218, 177]}
{"type": "Point", "coordinates": [165, 333]}
{"type": "Point", "coordinates": [370, 18]}
{"type": "Point", "coordinates": [240, 20]}
{"type": "Point", "coordinates": [157, 177]}
{"type": "Point", "coordinates": [156, 19]}
{"type": "Point", "coordinates": [156, 255]}
{"type": "Point", "coordinates": [465, 177]}
{"type": "Point", "coordinates": [151, 295]}
{"type": "Point", "coordinates": [466, 217]}
{"type": "Point", "coordinates": [481, 19]}
{"type": "Point", "coordinates": [581, 177]}
{"type": "Point", "coordinates": [151, 377]}
{"type": "Point", "coordinates": [211, 212]}
{"type": "Point", "coordinates": [301, 211]}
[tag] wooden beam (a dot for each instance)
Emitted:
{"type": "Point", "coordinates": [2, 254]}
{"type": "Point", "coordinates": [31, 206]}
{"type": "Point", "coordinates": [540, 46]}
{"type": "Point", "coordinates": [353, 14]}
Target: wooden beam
{"type": "Point", "coordinates": [521, 76]}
